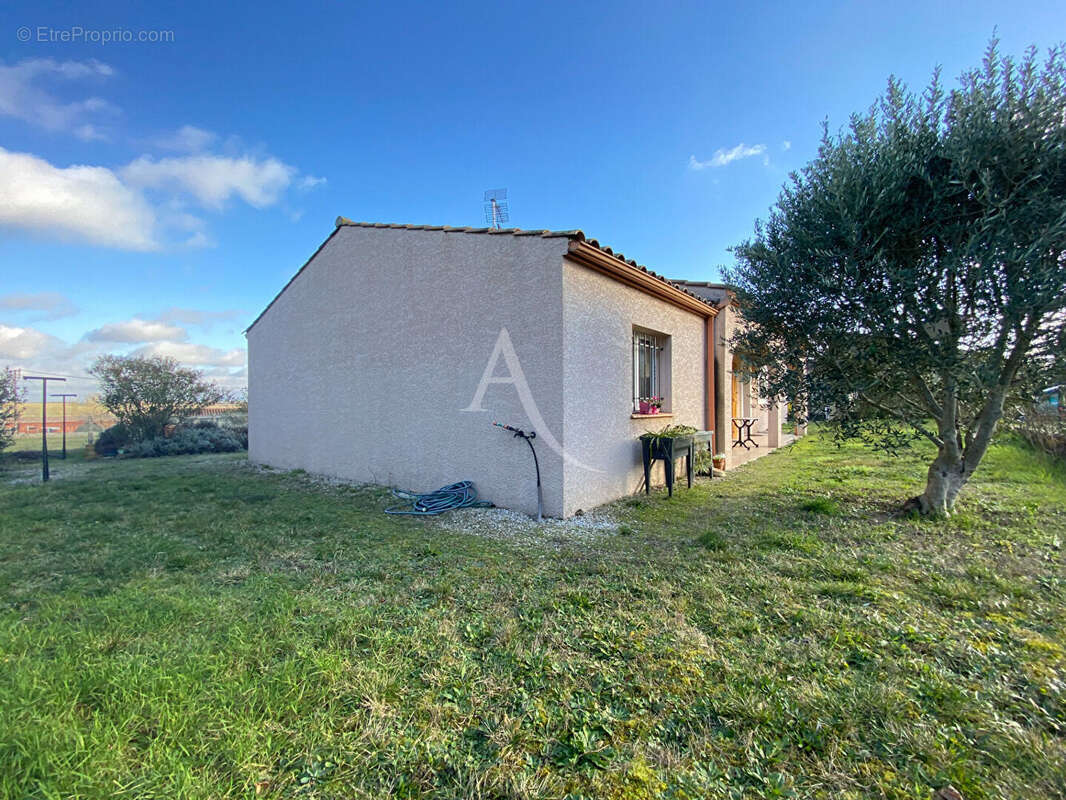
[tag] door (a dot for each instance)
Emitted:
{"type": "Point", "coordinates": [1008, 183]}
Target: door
{"type": "Point", "coordinates": [736, 389]}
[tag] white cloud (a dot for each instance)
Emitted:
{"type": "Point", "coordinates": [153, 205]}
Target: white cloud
{"type": "Point", "coordinates": [90, 133]}
{"type": "Point", "coordinates": [36, 352]}
{"type": "Point", "coordinates": [786, 145]}
{"type": "Point", "coordinates": [198, 241]}
{"type": "Point", "coordinates": [22, 97]}
{"type": "Point", "coordinates": [23, 343]}
{"type": "Point", "coordinates": [212, 179]}
{"type": "Point", "coordinates": [722, 157]}
{"type": "Point", "coordinates": [187, 139]}
{"type": "Point", "coordinates": [309, 182]}
{"type": "Point", "coordinates": [43, 305]}
{"type": "Point", "coordinates": [135, 331]}
{"type": "Point", "coordinates": [140, 206]}
{"type": "Point", "coordinates": [227, 377]}
{"type": "Point", "coordinates": [79, 202]}
{"type": "Point", "coordinates": [197, 355]}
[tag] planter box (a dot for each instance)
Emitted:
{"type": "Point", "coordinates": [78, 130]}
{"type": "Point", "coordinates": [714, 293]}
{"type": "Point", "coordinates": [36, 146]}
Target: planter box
{"type": "Point", "coordinates": [667, 450]}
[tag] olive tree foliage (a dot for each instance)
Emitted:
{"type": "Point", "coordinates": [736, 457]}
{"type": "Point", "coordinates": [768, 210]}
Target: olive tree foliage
{"type": "Point", "coordinates": [10, 405]}
{"type": "Point", "coordinates": [147, 394]}
{"type": "Point", "coordinates": [913, 274]}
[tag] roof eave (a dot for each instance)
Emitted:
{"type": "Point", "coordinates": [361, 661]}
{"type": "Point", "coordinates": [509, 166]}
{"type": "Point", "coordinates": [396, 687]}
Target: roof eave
{"type": "Point", "coordinates": [593, 257]}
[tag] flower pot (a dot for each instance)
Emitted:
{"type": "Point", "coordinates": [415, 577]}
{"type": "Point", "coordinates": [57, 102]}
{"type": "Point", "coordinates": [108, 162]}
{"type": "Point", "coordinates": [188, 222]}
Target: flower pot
{"type": "Point", "coordinates": [653, 409]}
{"type": "Point", "coordinates": [644, 408]}
{"type": "Point", "coordinates": [719, 463]}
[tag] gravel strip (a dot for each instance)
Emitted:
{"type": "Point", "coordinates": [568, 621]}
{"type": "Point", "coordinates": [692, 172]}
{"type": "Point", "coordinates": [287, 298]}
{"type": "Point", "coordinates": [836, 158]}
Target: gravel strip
{"type": "Point", "coordinates": [502, 525]}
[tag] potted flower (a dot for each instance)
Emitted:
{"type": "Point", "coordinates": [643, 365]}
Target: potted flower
{"type": "Point", "coordinates": [718, 460]}
{"type": "Point", "coordinates": [650, 406]}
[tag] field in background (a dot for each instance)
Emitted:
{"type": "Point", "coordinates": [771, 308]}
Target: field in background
{"type": "Point", "coordinates": [192, 627]}
{"type": "Point", "coordinates": [31, 410]}
{"type": "Point", "coordinates": [32, 441]}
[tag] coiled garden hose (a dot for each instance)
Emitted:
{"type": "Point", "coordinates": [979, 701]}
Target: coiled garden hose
{"type": "Point", "coordinates": [446, 498]}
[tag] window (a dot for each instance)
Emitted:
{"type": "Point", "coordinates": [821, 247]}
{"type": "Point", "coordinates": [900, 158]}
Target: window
{"type": "Point", "coordinates": [649, 380]}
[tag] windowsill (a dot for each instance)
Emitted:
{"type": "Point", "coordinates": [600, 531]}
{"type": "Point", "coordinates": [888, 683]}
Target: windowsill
{"type": "Point", "coordinates": [660, 415]}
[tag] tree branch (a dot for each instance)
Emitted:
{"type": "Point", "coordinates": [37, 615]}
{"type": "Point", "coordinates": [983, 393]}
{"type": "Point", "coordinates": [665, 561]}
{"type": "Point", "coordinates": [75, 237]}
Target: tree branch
{"type": "Point", "coordinates": [900, 416]}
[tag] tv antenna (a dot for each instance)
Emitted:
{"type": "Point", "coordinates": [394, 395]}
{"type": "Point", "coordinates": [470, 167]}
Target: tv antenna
{"type": "Point", "coordinates": [496, 207]}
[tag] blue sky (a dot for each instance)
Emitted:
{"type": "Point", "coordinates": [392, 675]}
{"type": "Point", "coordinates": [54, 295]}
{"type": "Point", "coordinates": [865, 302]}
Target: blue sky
{"type": "Point", "coordinates": [155, 195]}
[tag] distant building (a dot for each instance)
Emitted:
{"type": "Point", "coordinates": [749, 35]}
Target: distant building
{"type": "Point", "coordinates": [1053, 396]}
{"type": "Point", "coordinates": [79, 415]}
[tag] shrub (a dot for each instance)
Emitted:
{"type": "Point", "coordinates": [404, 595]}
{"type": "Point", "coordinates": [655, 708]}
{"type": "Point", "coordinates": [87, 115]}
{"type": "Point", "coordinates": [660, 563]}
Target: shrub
{"type": "Point", "coordinates": [1044, 430]}
{"type": "Point", "coordinates": [234, 424]}
{"type": "Point", "coordinates": [112, 440]}
{"type": "Point", "coordinates": [191, 440]}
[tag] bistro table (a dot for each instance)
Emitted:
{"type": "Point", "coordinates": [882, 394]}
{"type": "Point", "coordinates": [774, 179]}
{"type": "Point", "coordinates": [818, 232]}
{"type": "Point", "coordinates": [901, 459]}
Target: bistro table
{"type": "Point", "coordinates": [743, 426]}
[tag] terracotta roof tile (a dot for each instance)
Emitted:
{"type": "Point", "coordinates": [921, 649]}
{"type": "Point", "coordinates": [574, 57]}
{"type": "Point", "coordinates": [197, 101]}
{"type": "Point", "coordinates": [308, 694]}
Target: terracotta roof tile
{"type": "Point", "coordinates": [578, 235]}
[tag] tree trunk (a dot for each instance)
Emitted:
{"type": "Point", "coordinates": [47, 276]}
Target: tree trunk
{"type": "Point", "coordinates": [947, 475]}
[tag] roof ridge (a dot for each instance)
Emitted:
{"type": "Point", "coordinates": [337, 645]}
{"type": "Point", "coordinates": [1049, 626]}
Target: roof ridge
{"type": "Point", "coordinates": [573, 235]}
{"type": "Point", "coordinates": [577, 235]}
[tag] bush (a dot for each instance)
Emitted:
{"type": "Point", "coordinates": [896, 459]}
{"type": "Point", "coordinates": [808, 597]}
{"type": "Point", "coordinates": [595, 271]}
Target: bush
{"type": "Point", "coordinates": [1045, 430]}
{"type": "Point", "coordinates": [203, 437]}
{"type": "Point", "coordinates": [112, 440]}
{"type": "Point", "coordinates": [236, 425]}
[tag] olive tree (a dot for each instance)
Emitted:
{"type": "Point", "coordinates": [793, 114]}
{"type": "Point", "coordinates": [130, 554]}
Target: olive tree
{"type": "Point", "coordinates": [914, 273]}
{"type": "Point", "coordinates": [146, 394]}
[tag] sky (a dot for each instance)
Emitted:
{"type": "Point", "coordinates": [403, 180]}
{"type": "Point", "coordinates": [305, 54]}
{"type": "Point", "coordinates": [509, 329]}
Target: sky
{"type": "Point", "coordinates": [165, 168]}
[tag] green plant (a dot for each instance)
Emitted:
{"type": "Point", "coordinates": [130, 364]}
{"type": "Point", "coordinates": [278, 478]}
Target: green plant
{"type": "Point", "coordinates": [147, 394]}
{"type": "Point", "coordinates": [115, 438]}
{"type": "Point", "coordinates": [192, 440]}
{"type": "Point", "coordinates": [911, 276]}
{"type": "Point", "coordinates": [10, 403]}
{"type": "Point", "coordinates": [713, 540]}
{"type": "Point", "coordinates": [702, 461]}
{"type": "Point", "coordinates": [669, 432]}
{"type": "Point", "coordinates": [821, 505]}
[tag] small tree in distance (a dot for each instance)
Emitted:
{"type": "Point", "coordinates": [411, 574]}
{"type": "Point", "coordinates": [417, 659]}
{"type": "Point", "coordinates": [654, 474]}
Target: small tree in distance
{"type": "Point", "coordinates": [146, 394]}
{"type": "Point", "coordinates": [914, 274]}
{"type": "Point", "coordinates": [10, 404]}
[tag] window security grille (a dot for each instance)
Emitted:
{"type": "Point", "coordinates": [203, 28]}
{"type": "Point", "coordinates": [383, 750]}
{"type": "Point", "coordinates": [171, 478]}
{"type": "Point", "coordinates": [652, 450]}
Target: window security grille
{"type": "Point", "coordinates": [647, 367]}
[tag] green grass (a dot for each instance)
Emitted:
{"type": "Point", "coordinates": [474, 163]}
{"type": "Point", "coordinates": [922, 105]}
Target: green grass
{"type": "Point", "coordinates": [31, 443]}
{"type": "Point", "coordinates": [188, 627]}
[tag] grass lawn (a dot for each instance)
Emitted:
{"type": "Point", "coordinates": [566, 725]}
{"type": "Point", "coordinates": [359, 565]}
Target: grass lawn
{"type": "Point", "coordinates": [31, 443]}
{"type": "Point", "coordinates": [192, 628]}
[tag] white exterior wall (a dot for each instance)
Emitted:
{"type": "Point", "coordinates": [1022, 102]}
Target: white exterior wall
{"type": "Point", "coordinates": [598, 315]}
{"type": "Point", "coordinates": [362, 367]}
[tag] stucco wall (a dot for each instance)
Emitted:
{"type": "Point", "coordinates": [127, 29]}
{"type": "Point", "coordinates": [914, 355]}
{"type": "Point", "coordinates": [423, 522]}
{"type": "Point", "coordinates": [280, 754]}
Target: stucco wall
{"type": "Point", "coordinates": [598, 318]}
{"type": "Point", "coordinates": [362, 368]}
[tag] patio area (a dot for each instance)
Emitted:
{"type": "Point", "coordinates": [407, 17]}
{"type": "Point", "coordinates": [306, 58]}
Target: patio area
{"type": "Point", "coordinates": [740, 456]}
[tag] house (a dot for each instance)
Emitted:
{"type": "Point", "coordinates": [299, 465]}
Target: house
{"type": "Point", "coordinates": [389, 354]}
{"type": "Point", "coordinates": [736, 395]}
